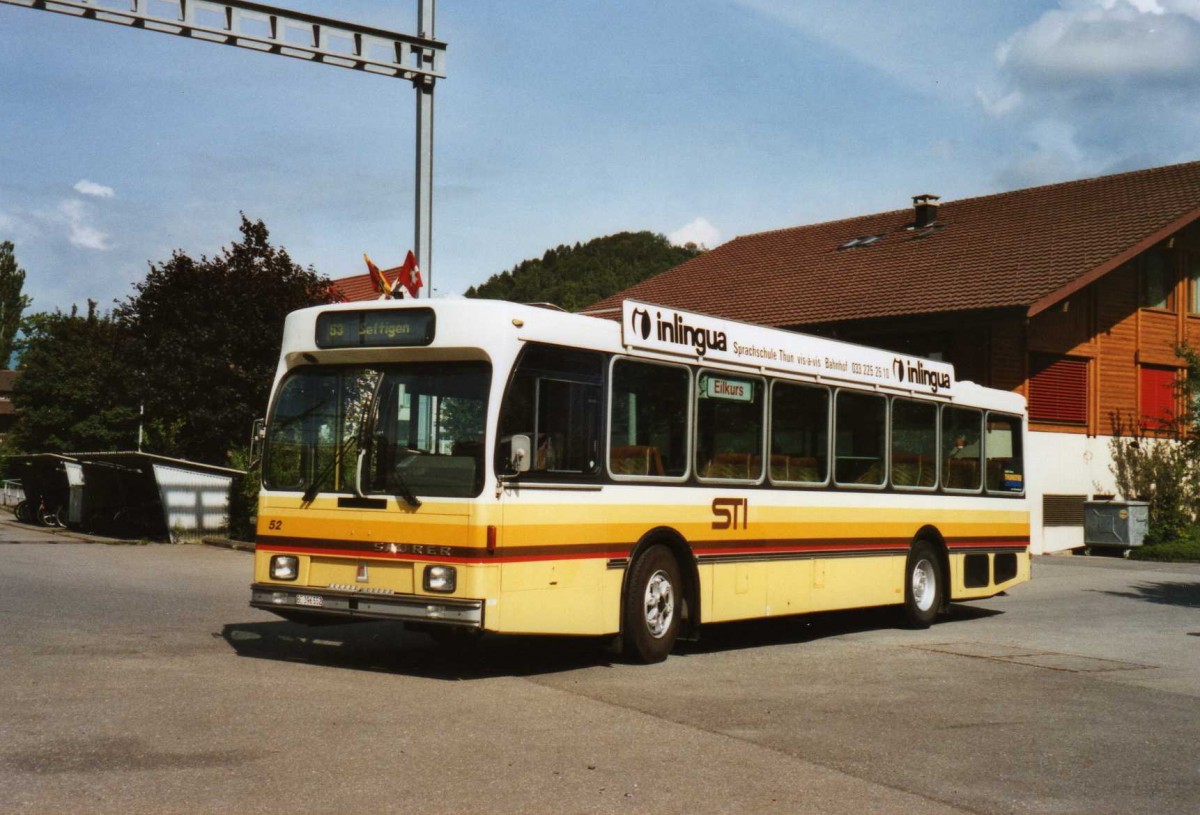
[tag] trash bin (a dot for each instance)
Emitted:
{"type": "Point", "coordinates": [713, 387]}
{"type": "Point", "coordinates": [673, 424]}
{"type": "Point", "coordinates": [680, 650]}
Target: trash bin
{"type": "Point", "coordinates": [1115, 524]}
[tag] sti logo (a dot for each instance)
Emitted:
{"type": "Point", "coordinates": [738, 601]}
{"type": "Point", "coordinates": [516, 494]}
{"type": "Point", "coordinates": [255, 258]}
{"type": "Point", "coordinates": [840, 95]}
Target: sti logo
{"type": "Point", "coordinates": [729, 511]}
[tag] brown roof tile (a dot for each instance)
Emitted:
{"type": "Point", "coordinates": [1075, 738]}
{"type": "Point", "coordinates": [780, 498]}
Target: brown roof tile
{"type": "Point", "coordinates": [356, 287]}
{"type": "Point", "coordinates": [360, 287]}
{"type": "Point", "coordinates": [1014, 249]}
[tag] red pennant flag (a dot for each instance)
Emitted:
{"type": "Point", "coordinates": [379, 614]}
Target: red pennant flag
{"type": "Point", "coordinates": [410, 275]}
{"type": "Point", "coordinates": [377, 277]}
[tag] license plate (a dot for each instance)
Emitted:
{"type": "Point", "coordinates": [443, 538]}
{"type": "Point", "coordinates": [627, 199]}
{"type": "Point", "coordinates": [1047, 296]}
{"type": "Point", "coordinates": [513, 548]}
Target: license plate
{"type": "Point", "coordinates": [310, 600]}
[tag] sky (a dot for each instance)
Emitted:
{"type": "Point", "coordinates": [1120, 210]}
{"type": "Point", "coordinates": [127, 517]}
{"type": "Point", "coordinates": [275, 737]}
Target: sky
{"type": "Point", "coordinates": [564, 120]}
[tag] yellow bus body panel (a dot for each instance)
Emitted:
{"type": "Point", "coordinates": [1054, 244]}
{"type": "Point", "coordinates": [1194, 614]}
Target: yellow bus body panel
{"type": "Point", "coordinates": [559, 567]}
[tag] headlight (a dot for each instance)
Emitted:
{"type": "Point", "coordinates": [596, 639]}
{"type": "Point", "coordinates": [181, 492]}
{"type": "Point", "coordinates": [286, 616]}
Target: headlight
{"type": "Point", "coordinates": [441, 578]}
{"type": "Point", "coordinates": [284, 567]}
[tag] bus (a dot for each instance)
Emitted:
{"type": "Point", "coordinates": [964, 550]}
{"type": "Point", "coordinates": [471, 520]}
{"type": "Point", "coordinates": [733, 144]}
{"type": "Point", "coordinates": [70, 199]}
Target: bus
{"type": "Point", "coordinates": [469, 466]}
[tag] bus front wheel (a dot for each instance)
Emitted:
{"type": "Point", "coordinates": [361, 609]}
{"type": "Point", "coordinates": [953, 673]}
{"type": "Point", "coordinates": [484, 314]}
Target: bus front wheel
{"type": "Point", "coordinates": [652, 606]}
{"type": "Point", "coordinates": [924, 586]}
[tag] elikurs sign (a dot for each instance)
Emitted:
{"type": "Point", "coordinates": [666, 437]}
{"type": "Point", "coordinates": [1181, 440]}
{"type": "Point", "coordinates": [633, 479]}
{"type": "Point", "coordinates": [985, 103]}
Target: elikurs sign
{"type": "Point", "coordinates": [697, 336]}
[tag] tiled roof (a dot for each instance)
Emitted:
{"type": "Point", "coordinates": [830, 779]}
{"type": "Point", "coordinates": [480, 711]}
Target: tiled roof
{"type": "Point", "coordinates": [1016, 249]}
{"type": "Point", "coordinates": [355, 288]}
{"type": "Point", "coordinates": [359, 287]}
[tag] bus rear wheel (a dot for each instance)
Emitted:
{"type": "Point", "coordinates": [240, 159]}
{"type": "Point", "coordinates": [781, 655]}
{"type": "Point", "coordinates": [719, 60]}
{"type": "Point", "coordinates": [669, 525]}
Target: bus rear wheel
{"type": "Point", "coordinates": [924, 586]}
{"type": "Point", "coordinates": [652, 606]}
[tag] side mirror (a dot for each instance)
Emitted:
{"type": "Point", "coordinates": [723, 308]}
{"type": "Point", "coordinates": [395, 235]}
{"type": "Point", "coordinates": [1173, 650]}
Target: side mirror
{"type": "Point", "coordinates": [522, 451]}
{"type": "Point", "coordinates": [258, 435]}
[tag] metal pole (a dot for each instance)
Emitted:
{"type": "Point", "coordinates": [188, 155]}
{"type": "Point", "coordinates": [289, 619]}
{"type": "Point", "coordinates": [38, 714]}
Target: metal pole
{"type": "Point", "coordinates": [423, 242]}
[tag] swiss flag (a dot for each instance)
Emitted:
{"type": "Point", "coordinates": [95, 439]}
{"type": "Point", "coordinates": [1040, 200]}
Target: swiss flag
{"type": "Point", "coordinates": [410, 275]}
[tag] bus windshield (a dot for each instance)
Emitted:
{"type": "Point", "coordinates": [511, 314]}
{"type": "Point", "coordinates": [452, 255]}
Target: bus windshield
{"type": "Point", "coordinates": [405, 430]}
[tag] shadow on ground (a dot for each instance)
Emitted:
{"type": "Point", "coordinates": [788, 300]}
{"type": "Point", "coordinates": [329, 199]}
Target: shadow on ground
{"type": "Point", "coordinates": [387, 647]}
{"type": "Point", "coordinates": [1164, 593]}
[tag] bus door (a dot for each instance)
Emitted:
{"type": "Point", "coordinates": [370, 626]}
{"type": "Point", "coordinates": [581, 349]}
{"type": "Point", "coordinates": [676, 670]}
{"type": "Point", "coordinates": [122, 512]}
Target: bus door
{"type": "Point", "coordinates": [551, 417]}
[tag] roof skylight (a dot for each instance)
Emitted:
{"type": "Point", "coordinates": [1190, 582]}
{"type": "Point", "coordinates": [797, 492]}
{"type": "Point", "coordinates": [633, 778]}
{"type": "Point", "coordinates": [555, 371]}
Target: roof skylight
{"type": "Point", "coordinates": [864, 240]}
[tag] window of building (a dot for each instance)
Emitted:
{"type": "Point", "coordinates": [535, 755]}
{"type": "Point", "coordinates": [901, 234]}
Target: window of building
{"type": "Point", "coordinates": [730, 413]}
{"type": "Point", "coordinates": [649, 420]}
{"type": "Point", "coordinates": [962, 448]}
{"type": "Point", "coordinates": [1158, 281]}
{"type": "Point", "coordinates": [1157, 397]}
{"type": "Point", "coordinates": [799, 434]}
{"type": "Point", "coordinates": [914, 444]}
{"type": "Point", "coordinates": [1058, 389]}
{"type": "Point", "coordinates": [554, 398]}
{"type": "Point", "coordinates": [860, 422]}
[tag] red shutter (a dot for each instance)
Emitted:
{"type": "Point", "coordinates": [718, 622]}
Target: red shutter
{"type": "Point", "coordinates": [1058, 390]}
{"type": "Point", "coordinates": [1157, 397]}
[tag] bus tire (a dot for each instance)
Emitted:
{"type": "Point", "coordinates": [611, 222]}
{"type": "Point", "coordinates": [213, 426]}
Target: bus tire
{"type": "Point", "coordinates": [924, 586]}
{"type": "Point", "coordinates": [652, 606]}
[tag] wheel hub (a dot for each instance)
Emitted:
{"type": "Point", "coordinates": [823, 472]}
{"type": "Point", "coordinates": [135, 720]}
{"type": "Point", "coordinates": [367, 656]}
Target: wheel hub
{"type": "Point", "coordinates": [924, 585]}
{"type": "Point", "coordinates": [659, 604]}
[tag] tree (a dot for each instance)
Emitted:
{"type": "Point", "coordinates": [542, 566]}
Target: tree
{"type": "Point", "coordinates": [576, 276]}
{"type": "Point", "coordinates": [205, 337]}
{"type": "Point", "coordinates": [74, 392]}
{"type": "Point", "coordinates": [13, 301]}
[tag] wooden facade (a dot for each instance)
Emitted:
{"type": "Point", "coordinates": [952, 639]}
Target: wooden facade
{"type": "Point", "coordinates": [1108, 326]}
{"type": "Point", "coordinates": [1075, 295]}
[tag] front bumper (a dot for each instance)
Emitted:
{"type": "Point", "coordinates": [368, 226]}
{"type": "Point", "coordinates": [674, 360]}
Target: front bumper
{"type": "Point", "coordinates": [331, 603]}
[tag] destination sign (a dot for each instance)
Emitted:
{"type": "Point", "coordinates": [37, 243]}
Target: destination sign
{"type": "Point", "coordinates": [730, 389]}
{"type": "Point", "coordinates": [371, 328]}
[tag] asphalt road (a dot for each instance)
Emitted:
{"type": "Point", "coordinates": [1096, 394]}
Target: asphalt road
{"type": "Point", "coordinates": [136, 679]}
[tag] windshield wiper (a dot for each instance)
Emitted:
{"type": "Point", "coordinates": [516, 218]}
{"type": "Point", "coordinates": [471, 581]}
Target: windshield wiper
{"type": "Point", "coordinates": [403, 490]}
{"type": "Point", "coordinates": [314, 488]}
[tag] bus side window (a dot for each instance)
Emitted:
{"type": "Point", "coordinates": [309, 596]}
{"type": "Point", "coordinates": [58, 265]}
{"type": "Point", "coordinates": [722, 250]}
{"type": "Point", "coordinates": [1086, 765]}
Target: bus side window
{"type": "Point", "coordinates": [914, 444]}
{"type": "Point", "coordinates": [1002, 446]}
{"type": "Point", "coordinates": [962, 448]}
{"type": "Point", "coordinates": [799, 434]}
{"type": "Point", "coordinates": [729, 427]}
{"type": "Point", "coordinates": [554, 398]}
{"type": "Point", "coordinates": [860, 427]}
{"type": "Point", "coordinates": [648, 425]}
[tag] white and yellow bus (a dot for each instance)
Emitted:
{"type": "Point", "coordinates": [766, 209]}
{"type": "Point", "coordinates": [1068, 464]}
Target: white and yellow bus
{"type": "Point", "coordinates": [471, 466]}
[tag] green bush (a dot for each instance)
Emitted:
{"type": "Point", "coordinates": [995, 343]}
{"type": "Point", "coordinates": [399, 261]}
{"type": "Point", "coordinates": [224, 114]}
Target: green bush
{"type": "Point", "coordinates": [1182, 550]}
{"type": "Point", "coordinates": [243, 499]}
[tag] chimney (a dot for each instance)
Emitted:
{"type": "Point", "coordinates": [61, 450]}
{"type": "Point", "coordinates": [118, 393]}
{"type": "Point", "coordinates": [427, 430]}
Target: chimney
{"type": "Point", "coordinates": [925, 208]}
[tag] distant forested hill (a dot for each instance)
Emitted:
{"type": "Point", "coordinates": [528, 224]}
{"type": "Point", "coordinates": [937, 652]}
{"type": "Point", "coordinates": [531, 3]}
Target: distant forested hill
{"type": "Point", "coordinates": [575, 276]}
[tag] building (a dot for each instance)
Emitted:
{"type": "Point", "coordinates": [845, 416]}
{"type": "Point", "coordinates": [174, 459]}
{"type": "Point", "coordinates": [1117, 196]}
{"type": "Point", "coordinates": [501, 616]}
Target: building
{"type": "Point", "coordinates": [1075, 295]}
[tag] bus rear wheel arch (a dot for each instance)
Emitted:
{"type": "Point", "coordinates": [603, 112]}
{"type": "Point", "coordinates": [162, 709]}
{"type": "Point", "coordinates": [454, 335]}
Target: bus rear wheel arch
{"type": "Point", "coordinates": [653, 605]}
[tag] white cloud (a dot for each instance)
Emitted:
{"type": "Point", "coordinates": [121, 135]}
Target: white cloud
{"type": "Point", "coordinates": [999, 107]}
{"type": "Point", "coordinates": [85, 187]}
{"type": "Point", "coordinates": [82, 233]}
{"type": "Point", "coordinates": [1098, 86]}
{"type": "Point", "coordinates": [1086, 42]}
{"type": "Point", "coordinates": [699, 232]}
